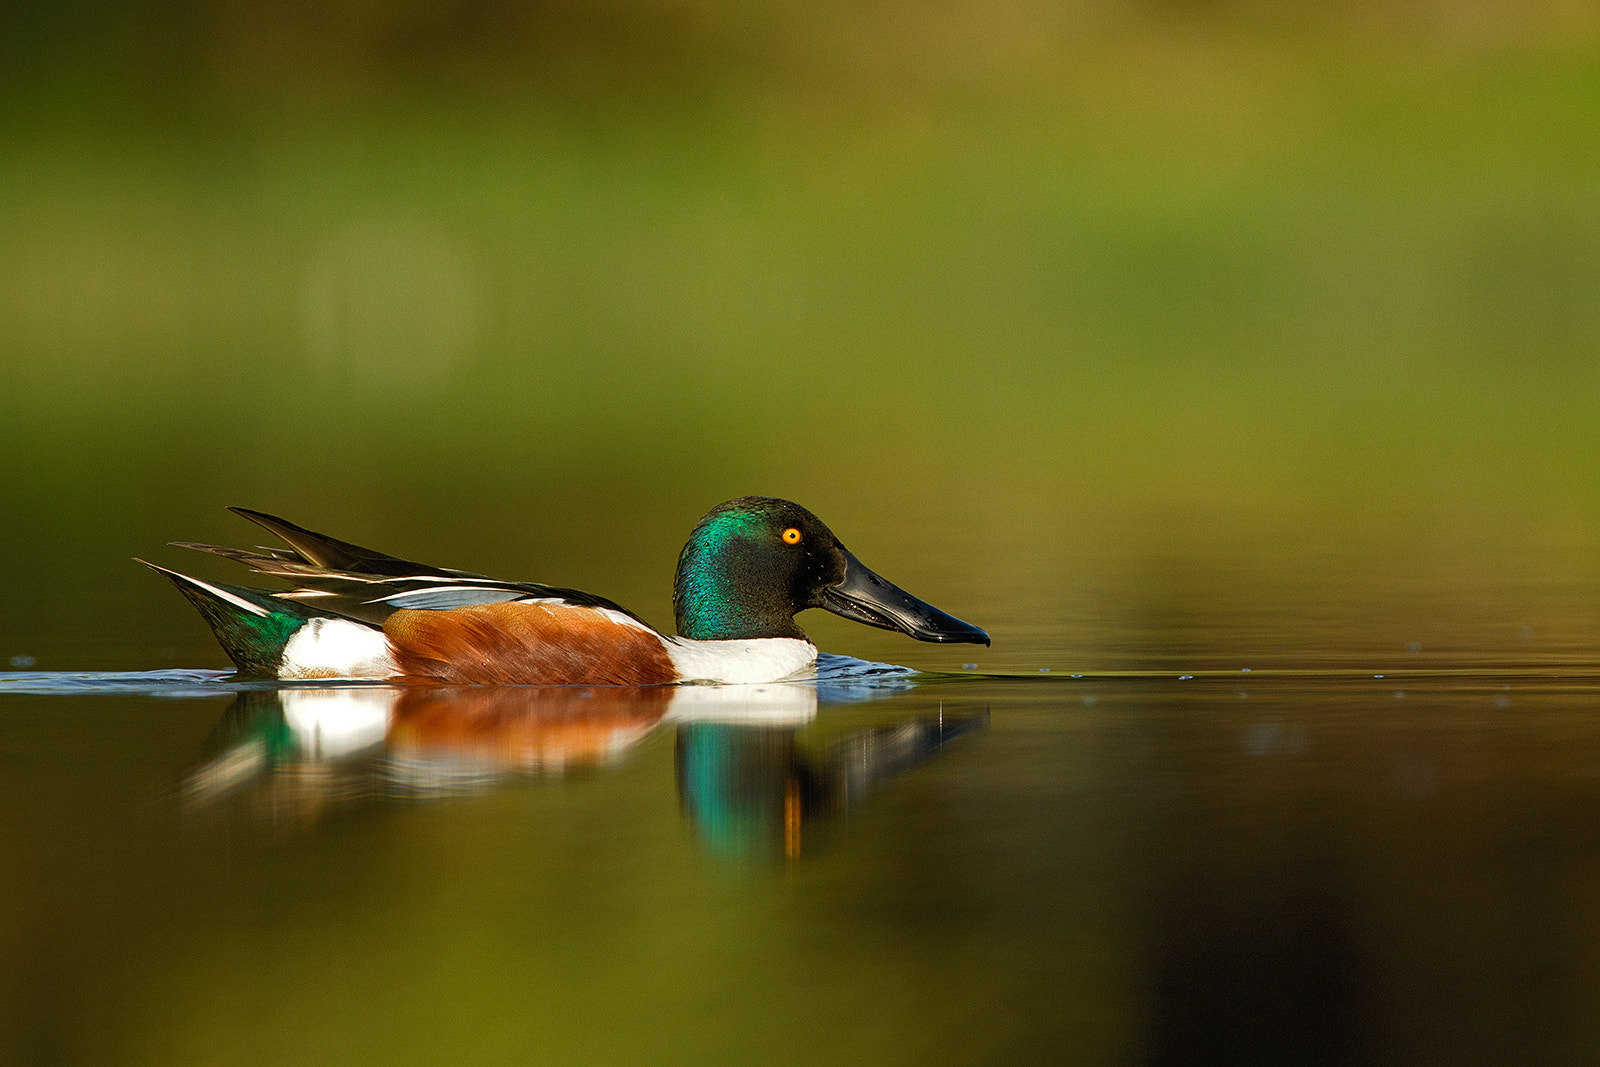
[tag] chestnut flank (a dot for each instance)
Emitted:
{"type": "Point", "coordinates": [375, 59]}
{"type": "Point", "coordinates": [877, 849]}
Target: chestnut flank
{"type": "Point", "coordinates": [526, 644]}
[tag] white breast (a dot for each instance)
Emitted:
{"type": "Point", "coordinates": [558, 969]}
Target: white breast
{"type": "Point", "coordinates": [763, 659]}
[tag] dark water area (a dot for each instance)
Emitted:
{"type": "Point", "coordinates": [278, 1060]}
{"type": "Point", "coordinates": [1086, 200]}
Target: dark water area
{"type": "Point", "coordinates": [1223, 867]}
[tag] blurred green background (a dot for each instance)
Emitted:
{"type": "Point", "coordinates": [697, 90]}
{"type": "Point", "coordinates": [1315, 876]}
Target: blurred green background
{"type": "Point", "coordinates": [1041, 306]}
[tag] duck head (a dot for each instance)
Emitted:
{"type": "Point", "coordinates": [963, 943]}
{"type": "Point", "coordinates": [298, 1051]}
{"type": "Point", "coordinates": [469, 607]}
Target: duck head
{"type": "Point", "coordinates": [752, 564]}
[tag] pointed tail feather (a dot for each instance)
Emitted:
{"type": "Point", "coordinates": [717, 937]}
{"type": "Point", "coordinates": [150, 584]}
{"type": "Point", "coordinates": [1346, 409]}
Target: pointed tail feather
{"type": "Point", "coordinates": [283, 563]}
{"type": "Point", "coordinates": [252, 625]}
{"type": "Point", "coordinates": [330, 553]}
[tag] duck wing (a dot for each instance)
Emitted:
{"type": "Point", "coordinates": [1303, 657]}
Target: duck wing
{"type": "Point", "coordinates": [339, 578]}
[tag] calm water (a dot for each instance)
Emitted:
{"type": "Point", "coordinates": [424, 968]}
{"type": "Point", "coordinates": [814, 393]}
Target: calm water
{"type": "Point", "coordinates": [1234, 866]}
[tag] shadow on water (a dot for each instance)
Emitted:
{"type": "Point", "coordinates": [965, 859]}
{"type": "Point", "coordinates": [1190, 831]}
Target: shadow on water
{"type": "Point", "coordinates": [749, 784]}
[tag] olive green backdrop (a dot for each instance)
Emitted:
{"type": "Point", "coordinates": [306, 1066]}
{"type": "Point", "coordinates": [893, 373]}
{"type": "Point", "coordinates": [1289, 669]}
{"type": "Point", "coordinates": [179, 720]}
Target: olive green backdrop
{"type": "Point", "coordinates": [1023, 298]}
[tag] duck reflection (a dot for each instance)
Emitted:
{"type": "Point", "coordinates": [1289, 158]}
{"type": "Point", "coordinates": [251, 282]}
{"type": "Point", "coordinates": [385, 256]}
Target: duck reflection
{"type": "Point", "coordinates": [746, 780]}
{"type": "Point", "coordinates": [442, 740]}
{"type": "Point", "coordinates": [752, 792]}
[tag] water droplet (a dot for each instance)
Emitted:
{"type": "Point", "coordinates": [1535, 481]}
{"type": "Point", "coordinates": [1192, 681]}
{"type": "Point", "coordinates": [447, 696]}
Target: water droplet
{"type": "Point", "coordinates": [22, 661]}
{"type": "Point", "coordinates": [1044, 670]}
{"type": "Point", "coordinates": [969, 666]}
{"type": "Point", "coordinates": [1185, 677]}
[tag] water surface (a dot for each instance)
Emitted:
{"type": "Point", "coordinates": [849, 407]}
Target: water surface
{"type": "Point", "coordinates": [1226, 866]}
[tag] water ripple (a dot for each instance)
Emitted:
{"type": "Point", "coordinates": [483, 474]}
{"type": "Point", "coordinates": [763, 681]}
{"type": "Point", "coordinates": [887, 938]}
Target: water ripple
{"type": "Point", "coordinates": [836, 677]}
{"type": "Point", "coordinates": [167, 683]}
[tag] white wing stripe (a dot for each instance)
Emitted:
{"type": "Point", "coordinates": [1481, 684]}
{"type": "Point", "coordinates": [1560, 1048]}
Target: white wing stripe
{"type": "Point", "coordinates": [236, 601]}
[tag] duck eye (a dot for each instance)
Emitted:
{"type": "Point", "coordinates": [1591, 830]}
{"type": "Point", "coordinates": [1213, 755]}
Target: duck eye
{"type": "Point", "coordinates": [791, 536]}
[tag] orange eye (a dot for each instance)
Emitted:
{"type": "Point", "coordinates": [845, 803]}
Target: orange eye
{"type": "Point", "coordinates": [791, 536]}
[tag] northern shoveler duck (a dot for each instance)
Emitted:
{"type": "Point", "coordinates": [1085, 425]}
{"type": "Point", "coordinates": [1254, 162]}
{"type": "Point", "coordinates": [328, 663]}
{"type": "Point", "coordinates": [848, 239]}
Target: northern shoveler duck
{"type": "Point", "coordinates": [750, 565]}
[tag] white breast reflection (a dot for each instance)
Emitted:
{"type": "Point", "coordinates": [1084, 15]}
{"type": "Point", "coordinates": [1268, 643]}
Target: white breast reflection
{"type": "Point", "coordinates": [335, 723]}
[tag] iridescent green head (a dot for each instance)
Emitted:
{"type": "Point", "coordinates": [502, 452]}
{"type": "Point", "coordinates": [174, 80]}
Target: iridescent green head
{"type": "Point", "coordinates": [753, 563]}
